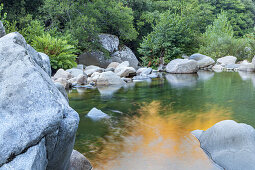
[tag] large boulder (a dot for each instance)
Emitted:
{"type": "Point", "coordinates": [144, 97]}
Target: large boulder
{"type": "Point", "coordinates": [202, 60]}
{"type": "Point", "coordinates": [125, 54]}
{"type": "Point", "coordinates": [144, 71]}
{"type": "Point", "coordinates": [109, 78]}
{"type": "Point", "coordinates": [126, 71]}
{"type": "Point", "coordinates": [227, 60]}
{"type": "Point", "coordinates": [92, 69]}
{"type": "Point", "coordinates": [182, 66]}
{"type": "Point", "coordinates": [229, 144]}
{"type": "Point", "coordinates": [113, 65]}
{"type": "Point", "coordinates": [109, 42]}
{"type": "Point", "coordinates": [38, 125]}
{"type": "Point", "coordinates": [79, 162]}
{"type": "Point", "coordinates": [2, 30]}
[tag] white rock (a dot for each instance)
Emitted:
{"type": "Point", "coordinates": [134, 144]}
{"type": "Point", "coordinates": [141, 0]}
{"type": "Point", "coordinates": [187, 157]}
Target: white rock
{"type": "Point", "coordinates": [61, 73]}
{"type": "Point", "coordinates": [96, 114]}
{"type": "Point", "coordinates": [113, 65]}
{"type": "Point", "coordinates": [202, 60]}
{"type": "Point", "coordinates": [182, 66]}
{"type": "Point", "coordinates": [246, 66]}
{"type": "Point", "coordinates": [109, 78]}
{"type": "Point", "coordinates": [81, 79]}
{"type": "Point", "coordinates": [227, 60]}
{"type": "Point", "coordinates": [75, 72]}
{"type": "Point", "coordinates": [125, 71]}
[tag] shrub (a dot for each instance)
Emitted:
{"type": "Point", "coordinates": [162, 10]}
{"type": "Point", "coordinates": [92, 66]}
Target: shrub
{"type": "Point", "coordinates": [61, 53]}
{"type": "Point", "coordinates": [219, 40]}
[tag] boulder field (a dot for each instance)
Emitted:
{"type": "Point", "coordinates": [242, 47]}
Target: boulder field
{"type": "Point", "coordinates": [38, 126]}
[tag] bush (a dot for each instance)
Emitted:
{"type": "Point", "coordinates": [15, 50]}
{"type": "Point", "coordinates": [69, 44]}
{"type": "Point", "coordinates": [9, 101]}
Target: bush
{"type": "Point", "coordinates": [170, 38]}
{"type": "Point", "coordinates": [219, 41]}
{"type": "Point", "coordinates": [61, 53]}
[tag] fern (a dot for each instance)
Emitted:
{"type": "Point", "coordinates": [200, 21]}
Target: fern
{"type": "Point", "coordinates": [62, 54]}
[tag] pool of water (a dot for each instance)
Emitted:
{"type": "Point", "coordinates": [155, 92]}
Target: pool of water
{"type": "Point", "coordinates": [151, 121]}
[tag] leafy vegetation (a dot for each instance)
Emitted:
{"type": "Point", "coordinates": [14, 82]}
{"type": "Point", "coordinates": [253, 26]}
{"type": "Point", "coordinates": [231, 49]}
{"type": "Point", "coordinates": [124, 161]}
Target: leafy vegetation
{"type": "Point", "coordinates": [155, 30]}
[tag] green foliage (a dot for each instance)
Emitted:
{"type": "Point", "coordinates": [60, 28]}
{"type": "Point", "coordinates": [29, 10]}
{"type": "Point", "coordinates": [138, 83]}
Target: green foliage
{"type": "Point", "coordinates": [170, 38]}
{"type": "Point", "coordinates": [219, 41]}
{"type": "Point", "coordinates": [62, 54]}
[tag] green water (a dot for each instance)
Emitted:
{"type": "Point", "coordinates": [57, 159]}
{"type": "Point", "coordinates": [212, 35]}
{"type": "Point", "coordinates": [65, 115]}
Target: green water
{"type": "Point", "coordinates": [150, 122]}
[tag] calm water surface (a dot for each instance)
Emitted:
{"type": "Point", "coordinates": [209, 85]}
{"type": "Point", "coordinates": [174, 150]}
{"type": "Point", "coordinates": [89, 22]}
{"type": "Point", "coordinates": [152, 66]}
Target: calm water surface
{"type": "Point", "coordinates": [151, 121]}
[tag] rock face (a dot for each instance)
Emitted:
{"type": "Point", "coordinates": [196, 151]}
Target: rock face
{"type": "Point", "coordinates": [229, 144]}
{"type": "Point", "coordinates": [79, 162]}
{"type": "Point", "coordinates": [96, 114]}
{"type": "Point", "coordinates": [109, 78]}
{"type": "Point", "coordinates": [227, 60]}
{"type": "Point", "coordinates": [202, 60]}
{"type": "Point", "coordinates": [46, 63]}
{"type": "Point", "coordinates": [111, 44]}
{"type": "Point", "coordinates": [38, 125]}
{"type": "Point", "coordinates": [2, 30]}
{"type": "Point", "coordinates": [182, 66]}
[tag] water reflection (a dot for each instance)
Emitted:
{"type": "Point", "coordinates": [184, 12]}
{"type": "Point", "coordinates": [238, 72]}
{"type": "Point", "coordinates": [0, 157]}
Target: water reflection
{"type": "Point", "coordinates": [108, 91]}
{"type": "Point", "coordinates": [247, 76]}
{"type": "Point", "coordinates": [155, 141]}
{"type": "Point", "coordinates": [182, 80]}
{"type": "Point", "coordinates": [205, 75]}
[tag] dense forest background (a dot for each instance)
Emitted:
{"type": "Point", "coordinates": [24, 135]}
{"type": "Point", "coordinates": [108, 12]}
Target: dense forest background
{"type": "Point", "coordinates": [153, 29]}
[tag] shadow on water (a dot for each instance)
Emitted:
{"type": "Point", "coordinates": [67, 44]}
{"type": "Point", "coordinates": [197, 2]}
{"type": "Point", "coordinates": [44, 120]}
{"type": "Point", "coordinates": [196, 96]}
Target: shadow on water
{"type": "Point", "coordinates": [151, 122]}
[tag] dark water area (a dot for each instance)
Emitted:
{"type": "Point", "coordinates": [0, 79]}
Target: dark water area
{"type": "Point", "coordinates": [151, 121]}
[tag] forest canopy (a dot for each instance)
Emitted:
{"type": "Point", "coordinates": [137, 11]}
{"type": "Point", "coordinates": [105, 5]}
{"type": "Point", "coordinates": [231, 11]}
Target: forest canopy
{"type": "Point", "coordinates": [153, 29]}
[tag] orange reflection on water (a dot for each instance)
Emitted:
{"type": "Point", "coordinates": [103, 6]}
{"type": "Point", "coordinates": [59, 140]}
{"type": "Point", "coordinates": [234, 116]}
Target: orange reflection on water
{"type": "Point", "coordinates": [157, 142]}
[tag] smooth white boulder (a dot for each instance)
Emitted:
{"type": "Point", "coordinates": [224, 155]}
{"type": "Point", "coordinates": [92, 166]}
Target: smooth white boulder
{"type": "Point", "coordinates": [229, 144]}
{"type": "Point", "coordinates": [246, 66]}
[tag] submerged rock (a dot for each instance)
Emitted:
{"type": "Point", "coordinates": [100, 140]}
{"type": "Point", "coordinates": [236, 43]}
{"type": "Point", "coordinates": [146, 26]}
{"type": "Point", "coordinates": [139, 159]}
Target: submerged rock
{"type": "Point", "coordinates": [229, 144]}
{"type": "Point", "coordinates": [182, 66]}
{"type": "Point", "coordinates": [79, 162]}
{"type": "Point", "coordinates": [96, 114]}
{"type": "Point", "coordinates": [32, 111]}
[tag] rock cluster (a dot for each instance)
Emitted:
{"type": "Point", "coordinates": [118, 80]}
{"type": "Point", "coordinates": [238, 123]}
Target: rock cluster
{"type": "Point", "coordinates": [116, 74]}
{"type": "Point", "coordinates": [117, 53]}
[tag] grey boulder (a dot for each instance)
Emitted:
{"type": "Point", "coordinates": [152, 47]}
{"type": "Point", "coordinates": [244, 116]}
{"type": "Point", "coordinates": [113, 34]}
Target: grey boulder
{"type": "Point", "coordinates": [32, 110]}
{"type": "Point", "coordinates": [229, 144]}
{"type": "Point", "coordinates": [79, 162]}
{"type": "Point", "coordinates": [227, 60]}
{"type": "Point", "coordinates": [109, 42]}
{"type": "Point", "coordinates": [182, 66]}
{"type": "Point", "coordinates": [202, 60]}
